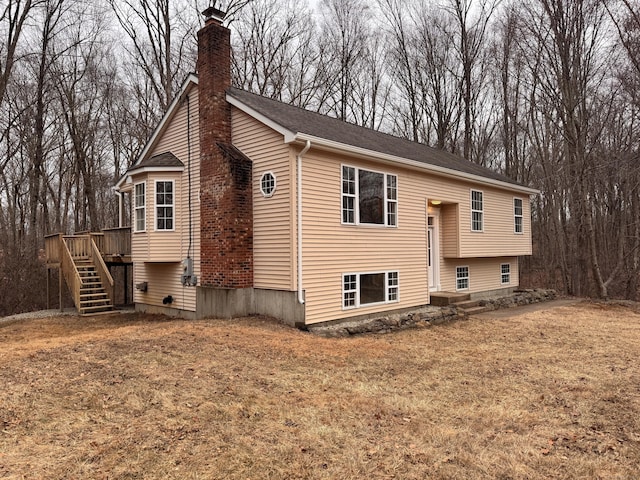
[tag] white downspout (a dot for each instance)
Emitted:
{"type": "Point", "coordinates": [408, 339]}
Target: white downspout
{"type": "Point", "coordinates": [119, 195]}
{"type": "Point", "coordinates": [120, 210]}
{"type": "Point", "coordinates": [299, 188]}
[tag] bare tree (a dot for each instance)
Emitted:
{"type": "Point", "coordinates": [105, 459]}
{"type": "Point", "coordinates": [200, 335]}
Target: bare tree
{"type": "Point", "coordinates": [267, 42]}
{"type": "Point", "coordinates": [439, 76]}
{"type": "Point", "coordinates": [12, 21]}
{"type": "Point", "coordinates": [344, 34]}
{"type": "Point", "coordinates": [472, 19]}
{"type": "Point", "coordinates": [157, 45]}
{"type": "Point", "coordinates": [407, 116]}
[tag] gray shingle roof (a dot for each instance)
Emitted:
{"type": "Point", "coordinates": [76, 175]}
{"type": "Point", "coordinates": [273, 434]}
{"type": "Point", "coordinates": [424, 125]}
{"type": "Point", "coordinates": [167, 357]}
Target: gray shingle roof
{"type": "Point", "coordinates": [298, 120]}
{"type": "Point", "coordinates": [166, 159]}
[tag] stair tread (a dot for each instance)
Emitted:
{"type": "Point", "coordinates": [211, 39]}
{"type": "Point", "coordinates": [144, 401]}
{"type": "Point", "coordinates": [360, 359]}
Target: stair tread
{"type": "Point", "coordinates": [96, 310]}
{"type": "Point", "coordinates": [468, 304]}
{"type": "Point", "coordinates": [472, 310]}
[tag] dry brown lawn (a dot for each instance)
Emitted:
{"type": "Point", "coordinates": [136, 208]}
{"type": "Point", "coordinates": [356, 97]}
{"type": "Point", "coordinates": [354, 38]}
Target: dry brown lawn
{"type": "Point", "coordinates": [553, 394]}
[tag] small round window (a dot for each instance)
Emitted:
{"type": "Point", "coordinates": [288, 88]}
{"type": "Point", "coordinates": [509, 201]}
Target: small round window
{"type": "Point", "coordinates": [268, 184]}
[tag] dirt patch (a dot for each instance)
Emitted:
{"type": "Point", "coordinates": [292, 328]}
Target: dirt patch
{"type": "Point", "coordinates": [541, 395]}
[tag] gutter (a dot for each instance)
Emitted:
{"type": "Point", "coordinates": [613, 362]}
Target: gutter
{"type": "Point", "coordinates": [299, 191]}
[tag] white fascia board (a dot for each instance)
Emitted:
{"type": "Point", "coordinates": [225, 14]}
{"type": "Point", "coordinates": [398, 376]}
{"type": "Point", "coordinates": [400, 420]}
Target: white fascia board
{"type": "Point", "coordinates": [121, 186]}
{"type": "Point", "coordinates": [138, 171]}
{"type": "Point", "coordinates": [392, 159]}
{"type": "Point", "coordinates": [190, 81]}
{"type": "Point", "coordinates": [289, 136]}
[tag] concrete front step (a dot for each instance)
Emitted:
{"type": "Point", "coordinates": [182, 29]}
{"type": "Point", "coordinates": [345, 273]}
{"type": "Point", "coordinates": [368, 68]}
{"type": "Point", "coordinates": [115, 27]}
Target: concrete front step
{"type": "Point", "coordinates": [442, 299]}
{"type": "Point", "coordinates": [468, 303]}
{"type": "Point", "coordinates": [473, 310]}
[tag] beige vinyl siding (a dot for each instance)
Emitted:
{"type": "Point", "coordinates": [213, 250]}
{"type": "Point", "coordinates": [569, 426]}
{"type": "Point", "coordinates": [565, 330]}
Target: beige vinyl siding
{"type": "Point", "coordinates": [498, 237]}
{"type": "Point", "coordinates": [449, 230]}
{"type": "Point", "coordinates": [161, 278]}
{"type": "Point", "coordinates": [331, 249]}
{"type": "Point", "coordinates": [158, 254]}
{"type": "Point", "coordinates": [484, 273]}
{"type": "Point", "coordinates": [273, 237]}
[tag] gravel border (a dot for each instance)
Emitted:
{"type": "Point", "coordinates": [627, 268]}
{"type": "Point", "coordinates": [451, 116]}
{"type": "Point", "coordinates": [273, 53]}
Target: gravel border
{"type": "Point", "coordinates": [39, 314]}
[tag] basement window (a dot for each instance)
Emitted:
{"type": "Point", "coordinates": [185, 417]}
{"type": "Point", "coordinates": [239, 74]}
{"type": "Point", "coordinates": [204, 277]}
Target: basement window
{"type": "Point", "coordinates": [462, 278]}
{"type": "Point", "coordinates": [505, 274]}
{"type": "Point", "coordinates": [363, 289]}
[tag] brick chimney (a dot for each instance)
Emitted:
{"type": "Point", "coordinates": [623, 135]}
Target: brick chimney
{"type": "Point", "coordinates": [226, 202]}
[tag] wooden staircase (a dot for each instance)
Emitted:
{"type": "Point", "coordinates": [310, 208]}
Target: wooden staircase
{"type": "Point", "coordinates": [84, 271]}
{"type": "Point", "coordinates": [93, 295]}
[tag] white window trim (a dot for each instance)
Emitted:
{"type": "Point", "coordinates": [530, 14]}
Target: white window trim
{"type": "Point", "coordinates": [357, 290]}
{"type": "Point", "coordinates": [521, 216]}
{"type": "Point", "coordinates": [468, 277]}
{"type": "Point", "coordinates": [172, 205]}
{"type": "Point", "coordinates": [502, 282]}
{"type": "Point", "coordinates": [136, 208]}
{"type": "Point", "coordinates": [472, 210]}
{"type": "Point", "coordinates": [388, 201]}
{"type": "Point", "coordinates": [275, 184]}
{"type": "Point", "coordinates": [356, 202]}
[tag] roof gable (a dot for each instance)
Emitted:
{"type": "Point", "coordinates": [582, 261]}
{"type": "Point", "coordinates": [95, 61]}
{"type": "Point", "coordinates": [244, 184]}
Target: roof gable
{"type": "Point", "coordinates": [190, 82]}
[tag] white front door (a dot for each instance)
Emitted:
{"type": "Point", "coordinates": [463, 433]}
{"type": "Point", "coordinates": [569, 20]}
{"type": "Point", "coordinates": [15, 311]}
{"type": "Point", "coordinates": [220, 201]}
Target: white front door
{"type": "Point", "coordinates": [433, 254]}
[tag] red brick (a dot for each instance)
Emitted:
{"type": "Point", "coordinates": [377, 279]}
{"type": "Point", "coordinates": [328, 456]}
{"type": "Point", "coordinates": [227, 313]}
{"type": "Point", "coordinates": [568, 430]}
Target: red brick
{"type": "Point", "coordinates": [226, 202]}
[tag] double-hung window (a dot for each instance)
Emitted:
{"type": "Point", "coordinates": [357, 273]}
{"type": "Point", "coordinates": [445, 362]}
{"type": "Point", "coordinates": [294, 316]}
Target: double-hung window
{"type": "Point", "coordinates": [139, 202]}
{"type": "Point", "coordinates": [462, 278]}
{"type": "Point", "coordinates": [369, 198]}
{"type": "Point", "coordinates": [362, 289]}
{"type": "Point", "coordinates": [517, 215]}
{"type": "Point", "coordinates": [164, 205]}
{"type": "Point", "coordinates": [476, 211]}
{"type": "Point", "coordinates": [505, 273]}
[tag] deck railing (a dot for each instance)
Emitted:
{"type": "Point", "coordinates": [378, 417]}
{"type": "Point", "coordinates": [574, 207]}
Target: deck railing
{"type": "Point", "coordinates": [117, 241]}
{"type": "Point", "coordinates": [98, 239]}
{"type": "Point", "coordinates": [79, 246]}
{"type": "Point", "coordinates": [52, 244]}
{"type": "Point", "coordinates": [69, 270]}
{"type": "Point", "coordinates": [103, 271]}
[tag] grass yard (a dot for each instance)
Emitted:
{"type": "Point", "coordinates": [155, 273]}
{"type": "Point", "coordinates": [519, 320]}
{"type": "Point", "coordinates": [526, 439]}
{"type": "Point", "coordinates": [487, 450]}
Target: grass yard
{"type": "Point", "coordinates": [551, 394]}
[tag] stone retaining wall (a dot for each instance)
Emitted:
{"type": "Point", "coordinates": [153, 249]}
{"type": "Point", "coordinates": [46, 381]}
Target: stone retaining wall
{"type": "Point", "coordinates": [427, 316]}
{"type": "Point", "coordinates": [518, 298]}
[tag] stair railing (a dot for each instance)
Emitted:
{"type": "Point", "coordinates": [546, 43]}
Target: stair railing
{"type": "Point", "coordinates": [103, 271]}
{"type": "Point", "coordinates": [69, 270]}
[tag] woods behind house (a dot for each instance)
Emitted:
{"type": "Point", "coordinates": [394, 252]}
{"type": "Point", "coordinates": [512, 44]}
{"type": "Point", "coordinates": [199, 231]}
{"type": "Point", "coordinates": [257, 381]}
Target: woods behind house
{"type": "Point", "coordinates": [544, 91]}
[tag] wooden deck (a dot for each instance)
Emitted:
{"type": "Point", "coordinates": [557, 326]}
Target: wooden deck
{"type": "Point", "coordinates": [85, 260]}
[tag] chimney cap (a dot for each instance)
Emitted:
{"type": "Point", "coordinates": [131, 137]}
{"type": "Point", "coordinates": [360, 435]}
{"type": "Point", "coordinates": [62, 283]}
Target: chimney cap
{"type": "Point", "coordinates": [212, 13]}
